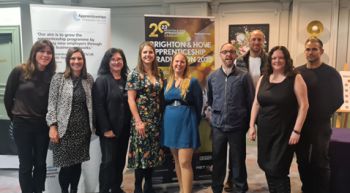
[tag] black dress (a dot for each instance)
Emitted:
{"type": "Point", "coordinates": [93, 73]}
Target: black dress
{"type": "Point", "coordinates": [276, 119]}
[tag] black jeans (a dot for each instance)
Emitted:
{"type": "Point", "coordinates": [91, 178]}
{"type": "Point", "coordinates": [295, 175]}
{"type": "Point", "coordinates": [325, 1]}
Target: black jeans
{"type": "Point", "coordinates": [237, 142]}
{"type": "Point", "coordinates": [278, 184]}
{"type": "Point", "coordinates": [32, 151]}
{"type": "Point", "coordinates": [113, 163]}
{"type": "Point", "coordinates": [313, 158]}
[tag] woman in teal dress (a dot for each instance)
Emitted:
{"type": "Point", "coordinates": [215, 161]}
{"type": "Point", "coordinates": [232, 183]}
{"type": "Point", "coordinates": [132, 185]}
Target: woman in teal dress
{"type": "Point", "coordinates": [145, 85]}
{"type": "Point", "coordinates": [184, 99]}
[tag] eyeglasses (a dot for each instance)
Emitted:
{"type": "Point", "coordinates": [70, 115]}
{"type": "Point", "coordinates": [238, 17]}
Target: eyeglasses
{"type": "Point", "coordinates": [228, 52]}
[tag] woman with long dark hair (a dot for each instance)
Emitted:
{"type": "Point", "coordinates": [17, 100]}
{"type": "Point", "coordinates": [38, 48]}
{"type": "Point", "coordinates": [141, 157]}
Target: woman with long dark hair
{"type": "Point", "coordinates": [280, 107]}
{"type": "Point", "coordinates": [70, 118]}
{"type": "Point", "coordinates": [112, 118]}
{"type": "Point", "coordinates": [26, 96]}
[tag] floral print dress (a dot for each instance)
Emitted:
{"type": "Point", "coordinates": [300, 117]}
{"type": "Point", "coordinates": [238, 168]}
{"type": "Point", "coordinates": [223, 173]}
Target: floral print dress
{"type": "Point", "coordinates": [146, 152]}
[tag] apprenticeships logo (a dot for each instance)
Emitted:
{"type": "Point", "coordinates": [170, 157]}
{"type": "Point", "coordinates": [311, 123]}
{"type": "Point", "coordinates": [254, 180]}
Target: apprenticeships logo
{"type": "Point", "coordinates": [89, 17]}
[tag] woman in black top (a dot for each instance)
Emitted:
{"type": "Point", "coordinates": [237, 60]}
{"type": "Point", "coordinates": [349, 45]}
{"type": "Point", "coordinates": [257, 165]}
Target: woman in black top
{"type": "Point", "coordinates": [26, 99]}
{"type": "Point", "coordinates": [279, 109]}
{"type": "Point", "coordinates": [112, 118]}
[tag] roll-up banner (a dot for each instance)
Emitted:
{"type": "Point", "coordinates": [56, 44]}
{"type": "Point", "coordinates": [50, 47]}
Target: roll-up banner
{"type": "Point", "coordinates": [66, 27]}
{"type": "Point", "coordinates": [193, 36]}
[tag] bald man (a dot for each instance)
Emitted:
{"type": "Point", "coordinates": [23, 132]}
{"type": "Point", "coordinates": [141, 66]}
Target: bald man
{"type": "Point", "coordinates": [256, 58]}
{"type": "Point", "coordinates": [230, 98]}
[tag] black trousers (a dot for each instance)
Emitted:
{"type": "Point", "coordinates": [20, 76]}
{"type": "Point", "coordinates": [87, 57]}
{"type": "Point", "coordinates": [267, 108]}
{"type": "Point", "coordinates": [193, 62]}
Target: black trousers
{"type": "Point", "coordinates": [313, 158]}
{"type": "Point", "coordinates": [237, 142]}
{"type": "Point", "coordinates": [229, 177]}
{"type": "Point", "coordinates": [69, 177]}
{"type": "Point", "coordinates": [278, 184]}
{"type": "Point", "coordinates": [113, 163]}
{"type": "Point", "coordinates": [32, 151]}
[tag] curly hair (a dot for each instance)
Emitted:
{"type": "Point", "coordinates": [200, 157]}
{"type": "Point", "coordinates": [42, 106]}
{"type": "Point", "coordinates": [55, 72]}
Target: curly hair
{"type": "Point", "coordinates": [288, 68]}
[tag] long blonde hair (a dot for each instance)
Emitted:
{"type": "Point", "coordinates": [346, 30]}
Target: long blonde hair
{"type": "Point", "coordinates": [185, 84]}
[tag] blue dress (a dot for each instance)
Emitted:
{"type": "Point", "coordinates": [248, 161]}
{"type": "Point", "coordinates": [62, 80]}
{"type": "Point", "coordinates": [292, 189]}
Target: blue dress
{"type": "Point", "coordinates": [180, 126]}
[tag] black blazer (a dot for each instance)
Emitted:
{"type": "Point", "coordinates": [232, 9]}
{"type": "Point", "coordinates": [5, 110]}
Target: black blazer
{"type": "Point", "coordinates": [111, 106]}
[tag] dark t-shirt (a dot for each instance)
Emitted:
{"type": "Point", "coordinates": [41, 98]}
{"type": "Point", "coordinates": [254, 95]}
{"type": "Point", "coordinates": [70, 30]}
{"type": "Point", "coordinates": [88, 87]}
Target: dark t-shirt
{"type": "Point", "coordinates": [325, 92]}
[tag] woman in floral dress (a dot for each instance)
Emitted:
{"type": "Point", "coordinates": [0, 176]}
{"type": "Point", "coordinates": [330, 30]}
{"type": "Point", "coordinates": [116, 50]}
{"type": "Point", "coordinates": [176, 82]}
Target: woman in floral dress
{"type": "Point", "coordinates": [145, 85]}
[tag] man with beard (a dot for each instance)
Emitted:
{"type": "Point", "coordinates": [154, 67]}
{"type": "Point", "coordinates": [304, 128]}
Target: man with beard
{"type": "Point", "coordinates": [230, 97]}
{"type": "Point", "coordinates": [325, 93]}
{"type": "Point", "coordinates": [253, 61]}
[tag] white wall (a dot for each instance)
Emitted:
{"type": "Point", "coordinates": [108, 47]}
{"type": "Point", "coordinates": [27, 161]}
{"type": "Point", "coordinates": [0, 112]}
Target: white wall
{"type": "Point", "coordinates": [305, 11]}
{"type": "Point", "coordinates": [11, 16]}
{"type": "Point", "coordinates": [343, 43]}
{"type": "Point", "coordinates": [274, 14]}
{"type": "Point", "coordinates": [287, 18]}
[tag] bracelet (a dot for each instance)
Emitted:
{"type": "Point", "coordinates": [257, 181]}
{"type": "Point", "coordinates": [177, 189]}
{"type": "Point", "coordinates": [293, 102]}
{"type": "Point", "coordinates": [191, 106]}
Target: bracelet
{"type": "Point", "coordinates": [297, 132]}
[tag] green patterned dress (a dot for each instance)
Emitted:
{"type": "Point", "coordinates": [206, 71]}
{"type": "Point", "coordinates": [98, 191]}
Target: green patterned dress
{"type": "Point", "coordinates": [146, 152]}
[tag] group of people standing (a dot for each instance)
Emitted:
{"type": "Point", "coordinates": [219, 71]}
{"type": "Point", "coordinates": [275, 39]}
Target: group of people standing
{"type": "Point", "coordinates": [289, 112]}
{"type": "Point", "coordinates": [259, 94]}
{"type": "Point", "coordinates": [62, 110]}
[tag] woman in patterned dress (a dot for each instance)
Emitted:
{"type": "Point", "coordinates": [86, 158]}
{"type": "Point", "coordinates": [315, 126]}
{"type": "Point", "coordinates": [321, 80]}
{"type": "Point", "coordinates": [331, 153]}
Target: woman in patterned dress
{"type": "Point", "coordinates": [70, 118]}
{"type": "Point", "coordinates": [184, 99]}
{"type": "Point", "coordinates": [144, 85]}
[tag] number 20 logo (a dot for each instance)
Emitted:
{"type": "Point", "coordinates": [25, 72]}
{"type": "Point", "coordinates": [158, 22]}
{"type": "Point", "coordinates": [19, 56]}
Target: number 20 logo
{"type": "Point", "coordinates": [161, 27]}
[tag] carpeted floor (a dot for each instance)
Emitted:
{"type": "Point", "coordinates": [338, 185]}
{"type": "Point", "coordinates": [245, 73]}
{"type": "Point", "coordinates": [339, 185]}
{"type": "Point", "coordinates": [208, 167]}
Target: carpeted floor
{"type": "Point", "coordinates": [256, 179]}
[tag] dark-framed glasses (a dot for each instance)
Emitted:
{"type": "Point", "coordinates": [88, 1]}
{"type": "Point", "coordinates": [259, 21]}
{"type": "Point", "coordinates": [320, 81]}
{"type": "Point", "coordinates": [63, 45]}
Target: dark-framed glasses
{"type": "Point", "coordinates": [228, 52]}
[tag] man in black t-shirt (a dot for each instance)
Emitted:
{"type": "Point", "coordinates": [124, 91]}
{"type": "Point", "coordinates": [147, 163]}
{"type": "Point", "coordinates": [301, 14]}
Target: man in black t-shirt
{"type": "Point", "coordinates": [325, 93]}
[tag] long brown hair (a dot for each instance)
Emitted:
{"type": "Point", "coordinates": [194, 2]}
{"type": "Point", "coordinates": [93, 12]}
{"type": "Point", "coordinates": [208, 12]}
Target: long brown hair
{"type": "Point", "coordinates": [185, 84]}
{"type": "Point", "coordinates": [31, 65]}
{"type": "Point", "coordinates": [154, 68]}
{"type": "Point", "coordinates": [68, 72]}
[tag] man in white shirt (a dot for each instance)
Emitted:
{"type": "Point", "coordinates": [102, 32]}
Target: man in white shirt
{"type": "Point", "coordinates": [255, 58]}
